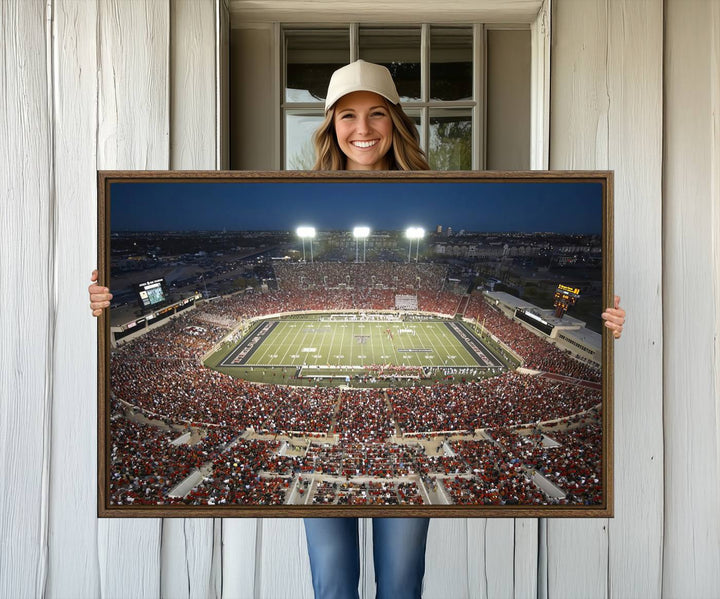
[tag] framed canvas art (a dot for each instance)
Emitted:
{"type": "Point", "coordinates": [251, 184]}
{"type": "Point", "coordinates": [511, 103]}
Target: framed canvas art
{"type": "Point", "coordinates": [355, 344]}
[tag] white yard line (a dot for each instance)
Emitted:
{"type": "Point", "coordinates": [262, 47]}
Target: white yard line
{"type": "Point", "coordinates": [441, 347]}
{"type": "Point", "coordinates": [383, 350]}
{"type": "Point", "coordinates": [314, 344]}
{"type": "Point", "coordinates": [436, 346]}
{"type": "Point", "coordinates": [398, 361]}
{"type": "Point", "coordinates": [377, 336]}
{"type": "Point", "coordinates": [293, 345]}
{"type": "Point", "coordinates": [360, 347]}
{"type": "Point", "coordinates": [331, 350]}
{"type": "Point", "coordinates": [288, 346]}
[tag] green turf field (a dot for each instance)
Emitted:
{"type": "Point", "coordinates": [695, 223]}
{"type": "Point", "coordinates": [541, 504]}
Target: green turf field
{"type": "Point", "coordinates": [357, 344]}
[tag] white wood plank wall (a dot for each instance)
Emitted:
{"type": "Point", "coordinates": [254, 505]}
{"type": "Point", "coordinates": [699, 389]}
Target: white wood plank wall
{"type": "Point", "coordinates": [691, 301]}
{"type": "Point", "coordinates": [73, 539]}
{"type": "Point", "coordinates": [133, 133]}
{"type": "Point", "coordinates": [27, 317]}
{"type": "Point", "coordinates": [606, 112]}
{"type": "Point", "coordinates": [635, 87]}
{"type": "Point", "coordinates": [190, 568]}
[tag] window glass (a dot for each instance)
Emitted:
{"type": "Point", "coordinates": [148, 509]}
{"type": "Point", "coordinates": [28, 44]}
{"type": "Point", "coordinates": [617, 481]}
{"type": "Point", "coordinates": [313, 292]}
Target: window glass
{"type": "Point", "coordinates": [310, 59]}
{"type": "Point", "coordinates": [451, 63]}
{"type": "Point", "coordinates": [450, 146]}
{"type": "Point", "coordinates": [299, 149]}
{"type": "Point", "coordinates": [398, 50]}
{"type": "Point", "coordinates": [414, 115]}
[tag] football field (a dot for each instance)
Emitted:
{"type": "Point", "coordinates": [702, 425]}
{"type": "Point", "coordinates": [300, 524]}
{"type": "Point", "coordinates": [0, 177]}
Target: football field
{"type": "Point", "coordinates": [359, 344]}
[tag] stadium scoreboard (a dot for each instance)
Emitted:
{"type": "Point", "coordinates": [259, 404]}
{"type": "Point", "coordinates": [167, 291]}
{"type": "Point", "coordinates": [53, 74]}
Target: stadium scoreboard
{"type": "Point", "coordinates": [152, 293]}
{"type": "Point", "coordinates": [565, 296]}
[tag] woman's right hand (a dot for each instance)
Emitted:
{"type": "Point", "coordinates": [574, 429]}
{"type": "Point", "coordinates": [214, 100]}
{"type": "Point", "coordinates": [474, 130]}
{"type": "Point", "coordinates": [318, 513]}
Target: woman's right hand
{"type": "Point", "coordinates": [99, 296]}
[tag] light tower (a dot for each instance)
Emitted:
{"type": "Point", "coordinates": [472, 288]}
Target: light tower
{"type": "Point", "coordinates": [414, 233]}
{"type": "Point", "coordinates": [360, 233]}
{"type": "Point", "coordinates": [309, 233]}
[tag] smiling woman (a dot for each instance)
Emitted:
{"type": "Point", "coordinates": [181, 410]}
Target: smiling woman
{"type": "Point", "coordinates": [365, 127]}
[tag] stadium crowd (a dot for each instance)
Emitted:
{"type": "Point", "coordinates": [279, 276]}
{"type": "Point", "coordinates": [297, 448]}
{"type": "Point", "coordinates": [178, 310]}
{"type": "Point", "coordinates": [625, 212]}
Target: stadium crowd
{"type": "Point", "coordinates": [145, 465]}
{"type": "Point", "coordinates": [367, 493]}
{"type": "Point", "coordinates": [235, 477]}
{"type": "Point", "coordinates": [381, 460]}
{"type": "Point", "coordinates": [577, 466]}
{"type": "Point", "coordinates": [399, 277]}
{"type": "Point", "coordinates": [181, 391]}
{"type": "Point", "coordinates": [159, 374]}
{"type": "Point", "coordinates": [507, 400]}
{"type": "Point", "coordinates": [497, 477]}
{"type": "Point", "coordinates": [364, 416]}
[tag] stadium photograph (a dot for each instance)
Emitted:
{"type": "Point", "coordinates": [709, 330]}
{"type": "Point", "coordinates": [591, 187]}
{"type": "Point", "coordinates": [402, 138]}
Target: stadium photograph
{"type": "Point", "coordinates": [328, 347]}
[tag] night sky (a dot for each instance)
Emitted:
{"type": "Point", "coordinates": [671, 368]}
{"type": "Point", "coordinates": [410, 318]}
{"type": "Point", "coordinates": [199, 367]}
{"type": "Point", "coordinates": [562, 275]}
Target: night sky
{"type": "Point", "coordinates": [530, 207]}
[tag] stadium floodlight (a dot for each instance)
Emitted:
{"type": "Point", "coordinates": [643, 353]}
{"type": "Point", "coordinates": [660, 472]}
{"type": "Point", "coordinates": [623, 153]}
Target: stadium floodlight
{"type": "Point", "coordinates": [414, 233]}
{"type": "Point", "coordinates": [306, 233]}
{"type": "Point", "coordinates": [360, 233]}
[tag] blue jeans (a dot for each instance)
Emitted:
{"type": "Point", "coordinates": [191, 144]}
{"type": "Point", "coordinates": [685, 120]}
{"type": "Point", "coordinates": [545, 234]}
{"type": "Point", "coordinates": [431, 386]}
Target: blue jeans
{"type": "Point", "coordinates": [398, 552]}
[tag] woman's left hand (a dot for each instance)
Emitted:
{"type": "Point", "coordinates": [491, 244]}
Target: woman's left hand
{"type": "Point", "coordinates": [615, 318]}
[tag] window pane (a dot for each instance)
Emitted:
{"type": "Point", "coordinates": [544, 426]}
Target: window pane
{"type": "Point", "coordinates": [451, 56]}
{"type": "Point", "coordinates": [398, 50]}
{"type": "Point", "coordinates": [414, 115]}
{"type": "Point", "coordinates": [299, 150]}
{"type": "Point", "coordinates": [311, 57]}
{"type": "Point", "coordinates": [450, 145]}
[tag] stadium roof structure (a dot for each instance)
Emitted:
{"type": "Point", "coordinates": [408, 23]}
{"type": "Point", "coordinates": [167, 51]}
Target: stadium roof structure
{"type": "Point", "coordinates": [585, 337]}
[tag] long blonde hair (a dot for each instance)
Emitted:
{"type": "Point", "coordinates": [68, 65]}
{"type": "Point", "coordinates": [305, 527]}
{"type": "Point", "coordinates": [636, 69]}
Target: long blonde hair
{"type": "Point", "coordinates": [405, 154]}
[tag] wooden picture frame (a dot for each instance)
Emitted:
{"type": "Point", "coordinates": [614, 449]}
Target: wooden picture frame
{"type": "Point", "coordinates": [462, 372]}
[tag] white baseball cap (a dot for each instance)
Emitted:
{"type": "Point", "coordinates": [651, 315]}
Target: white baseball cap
{"type": "Point", "coordinates": [361, 76]}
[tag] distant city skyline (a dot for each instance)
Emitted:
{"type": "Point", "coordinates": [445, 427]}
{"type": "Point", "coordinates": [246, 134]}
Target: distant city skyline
{"type": "Point", "coordinates": [483, 207]}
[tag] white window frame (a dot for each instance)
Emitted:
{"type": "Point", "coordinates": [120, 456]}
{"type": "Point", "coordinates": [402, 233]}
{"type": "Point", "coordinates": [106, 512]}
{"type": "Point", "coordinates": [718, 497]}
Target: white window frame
{"type": "Point", "coordinates": [476, 107]}
{"type": "Point", "coordinates": [540, 89]}
{"type": "Point", "coordinates": [537, 16]}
